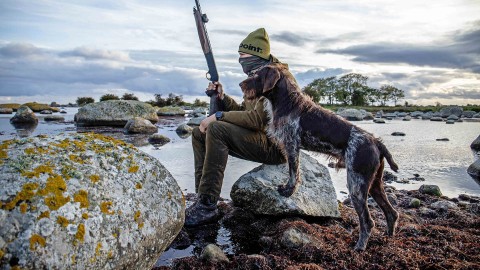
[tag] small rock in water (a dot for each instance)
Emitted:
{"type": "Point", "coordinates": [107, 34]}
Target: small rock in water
{"type": "Point", "coordinates": [184, 129]}
{"type": "Point", "coordinates": [379, 121]}
{"type": "Point", "coordinates": [397, 133]}
{"type": "Point", "coordinates": [430, 190]}
{"type": "Point", "coordinates": [212, 253]}
{"type": "Point", "coordinates": [443, 140]}
{"type": "Point", "coordinates": [450, 121]}
{"type": "Point", "coordinates": [158, 139]}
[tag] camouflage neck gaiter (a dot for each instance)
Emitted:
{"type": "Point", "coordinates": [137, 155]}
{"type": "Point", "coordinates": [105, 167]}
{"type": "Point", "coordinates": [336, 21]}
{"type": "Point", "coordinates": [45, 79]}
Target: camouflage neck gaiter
{"type": "Point", "coordinates": [252, 63]}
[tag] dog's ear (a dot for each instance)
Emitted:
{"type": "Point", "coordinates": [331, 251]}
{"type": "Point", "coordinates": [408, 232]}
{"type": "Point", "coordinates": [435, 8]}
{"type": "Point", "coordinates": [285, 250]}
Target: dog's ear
{"type": "Point", "coordinates": [269, 76]}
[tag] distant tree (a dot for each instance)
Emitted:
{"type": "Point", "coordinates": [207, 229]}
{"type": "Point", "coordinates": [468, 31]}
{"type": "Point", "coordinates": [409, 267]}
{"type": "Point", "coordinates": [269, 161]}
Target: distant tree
{"type": "Point", "coordinates": [129, 96]}
{"type": "Point", "coordinates": [321, 88]}
{"type": "Point", "coordinates": [396, 95]}
{"type": "Point", "coordinates": [372, 95]}
{"type": "Point", "coordinates": [386, 93]}
{"type": "Point", "coordinates": [351, 89]}
{"type": "Point", "coordinates": [311, 91]}
{"type": "Point", "coordinates": [109, 97]}
{"type": "Point", "coordinates": [171, 100]}
{"type": "Point", "coordinates": [199, 103]}
{"type": "Point", "coordinates": [82, 101]}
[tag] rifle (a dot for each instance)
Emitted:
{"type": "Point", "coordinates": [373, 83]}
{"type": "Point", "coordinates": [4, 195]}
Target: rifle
{"type": "Point", "coordinates": [212, 73]}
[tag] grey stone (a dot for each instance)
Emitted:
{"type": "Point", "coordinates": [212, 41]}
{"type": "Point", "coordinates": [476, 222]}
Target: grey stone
{"type": "Point", "coordinates": [184, 129]}
{"type": "Point", "coordinates": [447, 111]}
{"type": "Point", "coordinates": [416, 114]}
{"type": "Point", "coordinates": [474, 170]}
{"type": "Point", "coordinates": [212, 253]}
{"type": "Point", "coordinates": [379, 121]}
{"type": "Point", "coordinates": [468, 114]}
{"type": "Point", "coordinates": [54, 118]}
{"type": "Point", "coordinates": [109, 205]}
{"type": "Point", "coordinates": [443, 140]}
{"type": "Point", "coordinates": [402, 114]}
{"type": "Point", "coordinates": [158, 139]}
{"type": "Point", "coordinates": [430, 190]}
{"type": "Point", "coordinates": [436, 119]}
{"type": "Point", "coordinates": [397, 133]}
{"type": "Point", "coordinates": [477, 115]}
{"type": "Point", "coordinates": [475, 145]}
{"type": "Point", "coordinates": [46, 112]}
{"type": "Point", "coordinates": [294, 238]}
{"type": "Point", "coordinates": [114, 113]}
{"type": "Point", "coordinates": [6, 110]}
{"type": "Point", "coordinates": [453, 117]}
{"type": "Point", "coordinates": [24, 115]}
{"type": "Point", "coordinates": [450, 122]}
{"type": "Point", "coordinates": [390, 115]}
{"type": "Point", "coordinates": [427, 115]}
{"type": "Point", "coordinates": [257, 190]}
{"type": "Point", "coordinates": [140, 125]}
{"type": "Point", "coordinates": [407, 118]}
{"type": "Point", "coordinates": [196, 121]}
{"type": "Point", "coordinates": [351, 114]}
{"type": "Point", "coordinates": [443, 205]}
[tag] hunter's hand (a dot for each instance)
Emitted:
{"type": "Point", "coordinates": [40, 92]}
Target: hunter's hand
{"type": "Point", "coordinates": [216, 86]}
{"type": "Point", "coordinates": [205, 122]}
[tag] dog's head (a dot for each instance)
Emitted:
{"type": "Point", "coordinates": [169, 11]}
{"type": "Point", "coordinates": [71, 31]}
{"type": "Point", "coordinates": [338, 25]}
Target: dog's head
{"type": "Point", "coordinates": [261, 83]}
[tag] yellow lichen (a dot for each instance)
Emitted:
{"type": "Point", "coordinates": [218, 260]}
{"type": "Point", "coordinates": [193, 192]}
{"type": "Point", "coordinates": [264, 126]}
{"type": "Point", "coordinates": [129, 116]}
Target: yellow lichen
{"type": "Point", "coordinates": [36, 239]}
{"type": "Point", "coordinates": [94, 178]}
{"type": "Point", "coordinates": [63, 221]}
{"type": "Point", "coordinates": [110, 254]}
{"type": "Point", "coordinates": [105, 208]}
{"type": "Point", "coordinates": [74, 259]}
{"type": "Point", "coordinates": [55, 184]}
{"type": "Point", "coordinates": [85, 215]}
{"type": "Point", "coordinates": [16, 267]}
{"type": "Point", "coordinates": [1, 254]}
{"type": "Point", "coordinates": [23, 208]}
{"type": "Point", "coordinates": [133, 169]}
{"type": "Point", "coordinates": [36, 150]}
{"type": "Point", "coordinates": [64, 144]}
{"type": "Point", "coordinates": [140, 225]}
{"type": "Point", "coordinates": [3, 154]}
{"type": "Point", "coordinates": [79, 145]}
{"type": "Point", "coordinates": [56, 201]}
{"type": "Point", "coordinates": [27, 192]}
{"type": "Point", "coordinates": [82, 197]}
{"type": "Point", "coordinates": [66, 171]}
{"type": "Point", "coordinates": [138, 186]}
{"type": "Point", "coordinates": [45, 214]}
{"type": "Point", "coordinates": [80, 233]}
{"type": "Point", "coordinates": [169, 195]}
{"type": "Point", "coordinates": [77, 159]}
{"type": "Point", "coordinates": [114, 235]}
{"type": "Point", "coordinates": [97, 249]}
{"type": "Point", "coordinates": [136, 217]}
{"type": "Point", "coordinates": [47, 168]}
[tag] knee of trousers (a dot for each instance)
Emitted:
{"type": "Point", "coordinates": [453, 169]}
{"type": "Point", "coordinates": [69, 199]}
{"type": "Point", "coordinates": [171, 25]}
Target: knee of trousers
{"type": "Point", "coordinates": [196, 133]}
{"type": "Point", "coordinates": [217, 129]}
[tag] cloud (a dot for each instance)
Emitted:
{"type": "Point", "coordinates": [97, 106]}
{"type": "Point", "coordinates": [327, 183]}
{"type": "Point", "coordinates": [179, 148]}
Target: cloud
{"type": "Point", "coordinates": [19, 50]}
{"type": "Point", "coordinates": [306, 77]}
{"type": "Point", "coordinates": [459, 50]}
{"type": "Point", "coordinates": [96, 54]}
{"type": "Point", "coordinates": [231, 32]}
{"type": "Point", "coordinates": [291, 38]}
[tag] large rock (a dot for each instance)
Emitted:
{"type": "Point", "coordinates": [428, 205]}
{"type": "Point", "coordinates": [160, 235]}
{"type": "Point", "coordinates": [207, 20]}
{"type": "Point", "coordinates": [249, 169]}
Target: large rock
{"type": "Point", "coordinates": [351, 114]}
{"type": "Point", "coordinates": [24, 115]}
{"type": "Point", "coordinates": [38, 107]}
{"type": "Point", "coordinates": [196, 121]}
{"type": "Point", "coordinates": [140, 125]}
{"type": "Point", "coordinates": [416, 114]}
{"type": "Point", "coordinates": [54, 118]}
{"type": "Point", "coordinates": [6, 110]}
{"type": "Point", "coordinates": [468, 114]}
{"type": "Point", "coordinates": [257, 190]}
{"type": "Point", "coordinates": [170, 111]}
{"type": "Point", "coordinates": [476, 144]}
{"type": "Point", "coordinates": [433, 190]}
{"type": "Point", "coordinates": [474, 170]}
{"type": "Point", "coordinates": [84, 201]}
{"type": "Point", "coordinates": [447, 111]}
{"type": "Point", "coordinates": [114, 113]}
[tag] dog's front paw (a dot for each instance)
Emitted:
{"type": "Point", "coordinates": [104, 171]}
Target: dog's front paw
{"type": "Point", "coordinates": [285, 190]}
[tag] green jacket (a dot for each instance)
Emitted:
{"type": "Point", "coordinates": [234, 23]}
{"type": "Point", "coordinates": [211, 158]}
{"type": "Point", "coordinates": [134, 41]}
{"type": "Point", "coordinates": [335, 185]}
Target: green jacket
{"type": "Point", "coordinates": [250, 114]}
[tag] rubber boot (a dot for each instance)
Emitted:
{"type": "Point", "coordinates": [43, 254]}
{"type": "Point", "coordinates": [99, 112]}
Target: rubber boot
{"type": "Point", "coordinates": [203, 211]}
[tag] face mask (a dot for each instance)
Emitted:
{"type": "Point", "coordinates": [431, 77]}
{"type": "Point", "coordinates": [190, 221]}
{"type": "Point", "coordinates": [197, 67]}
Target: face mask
{"type": "Point", "coordinates": [252, 63]}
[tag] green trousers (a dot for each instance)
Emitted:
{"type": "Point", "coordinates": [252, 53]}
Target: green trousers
{"type": "Point", "coordinates": [211, 150]}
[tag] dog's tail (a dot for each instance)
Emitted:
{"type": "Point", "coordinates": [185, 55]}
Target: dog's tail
{"type": "Point", "coordinates": [386, 154]}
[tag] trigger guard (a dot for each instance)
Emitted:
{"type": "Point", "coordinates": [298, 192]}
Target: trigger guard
{"type": "Point", "coordinates": [208, 76]}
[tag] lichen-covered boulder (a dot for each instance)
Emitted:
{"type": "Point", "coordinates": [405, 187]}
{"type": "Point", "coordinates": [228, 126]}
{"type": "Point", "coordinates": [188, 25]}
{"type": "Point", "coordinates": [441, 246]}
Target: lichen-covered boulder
{"type": "Point", "coordinates": [24, 115]}
{"type": "Point", "coordinates": [140, 125]}
{"type": "Point", "coordinates": [114, 113]}
{"type": "Point", "coordinates": [6, 110]}
{"type": "Point", "coordinates": [476, 144]}
{"type": "Point", "coordinates": [351, 114]}
{"type": "Point", "coordinates": [447, 111]}
{"type": "Point", "coordinates": [84, 201]}
{"type": "Point", "coordinates": [170, 111]}
{"type": "Point", "coordinates": [257, 190]}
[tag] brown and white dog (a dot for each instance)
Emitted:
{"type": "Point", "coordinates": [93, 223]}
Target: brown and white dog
{"type": "Point", "coordinates": [295, 122]}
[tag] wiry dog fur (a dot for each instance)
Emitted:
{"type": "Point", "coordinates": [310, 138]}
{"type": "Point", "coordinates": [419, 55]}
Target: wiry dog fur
{"type": "Point", "coordinates": [295, 122]}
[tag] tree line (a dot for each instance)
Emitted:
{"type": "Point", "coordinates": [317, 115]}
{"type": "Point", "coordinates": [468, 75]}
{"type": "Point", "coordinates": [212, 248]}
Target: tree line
{"type": "Point", "coordinates": [159, 101]}
{"type": "Point", "coordinates": [351, 89]}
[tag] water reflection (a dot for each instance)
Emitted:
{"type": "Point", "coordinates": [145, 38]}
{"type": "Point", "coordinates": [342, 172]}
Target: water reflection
{"type": "Point", "coordinates": [24, 130]}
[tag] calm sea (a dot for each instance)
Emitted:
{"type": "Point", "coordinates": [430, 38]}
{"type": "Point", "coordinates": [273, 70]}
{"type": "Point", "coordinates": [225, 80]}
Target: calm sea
{"type": "Point", "coordinates": [443, 163]}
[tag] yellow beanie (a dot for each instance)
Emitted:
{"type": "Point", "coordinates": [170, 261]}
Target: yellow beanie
{"type": "Point", "coordinates": [256, 43]}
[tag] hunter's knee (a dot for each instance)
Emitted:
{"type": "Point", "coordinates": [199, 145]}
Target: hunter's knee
{"type": "Point", "coordinates": [216, 129]}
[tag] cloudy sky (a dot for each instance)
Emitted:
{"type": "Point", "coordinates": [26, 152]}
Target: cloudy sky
{"type": "Point", "coordinates": [61, 50]}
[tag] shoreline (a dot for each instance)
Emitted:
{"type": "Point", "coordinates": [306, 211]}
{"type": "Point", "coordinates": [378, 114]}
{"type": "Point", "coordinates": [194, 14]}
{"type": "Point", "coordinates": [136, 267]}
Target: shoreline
{"type": "Point", "coordinates": [440, 233]}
